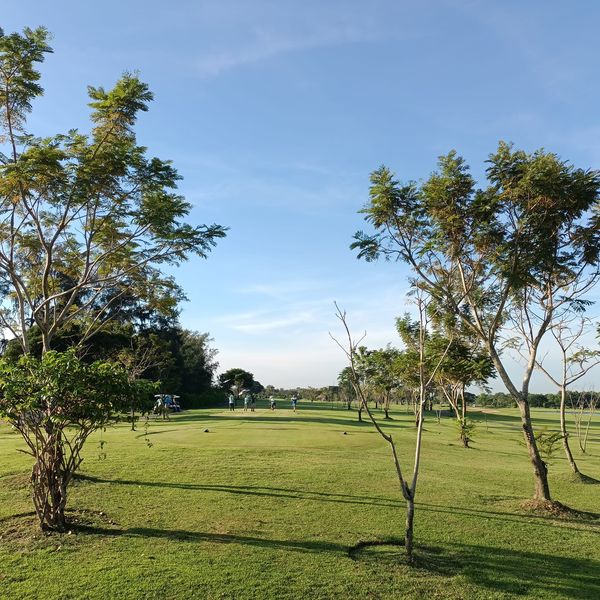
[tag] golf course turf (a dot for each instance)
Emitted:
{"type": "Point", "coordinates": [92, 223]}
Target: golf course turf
{"type": "Point", "coordinates": [213, 504]}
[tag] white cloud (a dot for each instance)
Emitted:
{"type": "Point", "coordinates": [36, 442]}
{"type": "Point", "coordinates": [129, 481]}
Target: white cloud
{"type": "Point", "coordinates": [270, 325]}
{"type": "Point", "coordinates": [268, 43]}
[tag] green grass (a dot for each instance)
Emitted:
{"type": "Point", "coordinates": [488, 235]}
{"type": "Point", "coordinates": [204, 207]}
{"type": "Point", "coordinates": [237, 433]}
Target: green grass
{"type": "Point", "coordinates": [269, 505]}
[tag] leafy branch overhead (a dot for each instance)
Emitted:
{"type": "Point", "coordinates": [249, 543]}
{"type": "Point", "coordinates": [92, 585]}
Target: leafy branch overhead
{"type": "Point", "coordinates": [85, 218]}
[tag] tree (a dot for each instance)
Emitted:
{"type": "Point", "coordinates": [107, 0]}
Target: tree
{"type": "Point", "coordinates": [239, 381]}
{"type": "Point", "coordinates": [55, 403]}
{"type": "Point", "coordinates": [199, 361]}
{"type": "Point", "coordinates": [144, 353]}
{"type": "Point", "coordinates": [85, 220]}
{"type": "Point", "coordinates": [350, 349]}
{"type": "Point", "coordinates": [408, 363]}
{"type": "Point", "coordinates": [534, 231]}
{"type": "Point", "coordinates": [584, 406]}
{"type": "Point", "coordinates": [190, 362]}
{"type": "Point", "coordinates": [347, 391]}
{"type": "Point", "coordinates": [575, 362]}
{"type": "Point", "coordinates": [381, 372]}
{"type": "Point", "coordinates": [465, 364]}
{"type": "Point", "coordinates": [361, 374]}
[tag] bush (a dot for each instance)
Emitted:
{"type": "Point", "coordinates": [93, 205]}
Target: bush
{"type": "Point", "coordinates": [55, 403]}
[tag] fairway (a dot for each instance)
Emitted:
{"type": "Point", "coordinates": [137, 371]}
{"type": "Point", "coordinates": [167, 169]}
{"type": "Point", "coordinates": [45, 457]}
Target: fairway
{"type": "Point", "coordinates": [270, 504]}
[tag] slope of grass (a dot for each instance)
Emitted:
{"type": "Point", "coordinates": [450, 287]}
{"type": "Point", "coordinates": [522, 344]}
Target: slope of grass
{"type": "Point", "coordinates": [270, 504]}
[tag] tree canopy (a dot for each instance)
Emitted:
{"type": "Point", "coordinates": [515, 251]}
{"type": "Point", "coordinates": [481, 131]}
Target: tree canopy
{"type": "Point", "coordinates": [86, 219]}
{"type": "Point", "coordinates": [532, 234]}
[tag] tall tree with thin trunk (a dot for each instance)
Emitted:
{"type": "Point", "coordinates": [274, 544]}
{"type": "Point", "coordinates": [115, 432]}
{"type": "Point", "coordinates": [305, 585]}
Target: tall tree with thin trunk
{"type": "Point", "coordinates": [408, 485]}
{"type": "Point", "coordinates": [576, 362]}
{"type": "Point", "coordinates": [534, 230]}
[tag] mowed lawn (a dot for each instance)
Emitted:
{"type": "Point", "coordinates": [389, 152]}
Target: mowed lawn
{"type": "Point", "coordinates": [269, 505]}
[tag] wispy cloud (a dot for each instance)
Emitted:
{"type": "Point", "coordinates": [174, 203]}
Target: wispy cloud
{"type": "Point", "coordinates": [267, 43]}
{"type": "Point", "coordinates": [270, 325]}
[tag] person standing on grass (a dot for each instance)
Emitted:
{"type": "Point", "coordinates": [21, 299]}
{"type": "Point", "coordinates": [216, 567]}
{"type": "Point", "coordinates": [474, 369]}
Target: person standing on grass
{"type": "Point", "coordinates": [252, 402]}
{"type": "Point", "coordinates": [272, 402]}
{"type": "Point", "coordinates": [246, 402]}
{"type": "Point", "coordinates": [294, 402]}
{"type": "Point", "coordinates": [231, 402]}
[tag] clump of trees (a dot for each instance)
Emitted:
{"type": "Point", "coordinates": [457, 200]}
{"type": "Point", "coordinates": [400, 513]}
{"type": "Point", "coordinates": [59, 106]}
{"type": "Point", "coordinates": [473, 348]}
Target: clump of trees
{"type": "Point", "coordinates": [530, 238]}
{"type": "Point", "coordinates": [239, 382]}
{"type": "Point", "coordinates": [155, 348]}
{"type": "Point", "coordinates": [388, 374]}
{"type": "Point", "coordinates": [87, 223]}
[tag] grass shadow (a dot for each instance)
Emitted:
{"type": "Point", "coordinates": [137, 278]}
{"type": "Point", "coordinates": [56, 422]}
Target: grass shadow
{"type": "Point", "coordinates": [515, 572]}
{"type": "Point", "coordinates": [586, 519]}
{"type": "Point", "coordinates": [250, 490]}
{"type": "Point", "coordinates": [218, 538]}
{"type": "Point", "coordinates": [154, 432]}
{"type": "Point", "coordinates": [499, 570]}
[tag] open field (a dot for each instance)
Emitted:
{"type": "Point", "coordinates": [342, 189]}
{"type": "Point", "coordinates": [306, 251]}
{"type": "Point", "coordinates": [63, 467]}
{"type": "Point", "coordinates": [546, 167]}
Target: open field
{"type": "Point", "coordinates": [268, 505]}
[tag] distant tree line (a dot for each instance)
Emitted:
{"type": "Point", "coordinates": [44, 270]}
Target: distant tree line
{"type": "Point", "coordinates": [182, 361]}
{"type": "Point", "coordinates": [504, 400]}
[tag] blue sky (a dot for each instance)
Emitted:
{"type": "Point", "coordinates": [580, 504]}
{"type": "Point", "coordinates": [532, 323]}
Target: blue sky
{"type": "Point", "coordinates": [275, 112]}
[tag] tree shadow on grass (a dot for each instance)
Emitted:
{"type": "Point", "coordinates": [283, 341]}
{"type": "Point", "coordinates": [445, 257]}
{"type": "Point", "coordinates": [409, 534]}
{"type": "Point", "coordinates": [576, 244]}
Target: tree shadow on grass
{"type": "Point", "coordinates": [252, 490]}
{"type": "Point", "coordinates": [497, 420]}
{"type": "Point", "coordinates": [215, 538]}
{"type": "Point", "coordinates": [154, 432]}
{"type": "Point", "coordinates": [338, 498]}
{"type": "Point", "coordinates": [589, 521]}
{"type": "Point", "coordinates": [539, 575]}
{"type": "Point", "coordinates": [499, 570]}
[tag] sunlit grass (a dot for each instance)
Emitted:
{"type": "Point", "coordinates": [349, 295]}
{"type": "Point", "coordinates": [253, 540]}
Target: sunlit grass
{"type": "Point", "coordinates": [269, 505]}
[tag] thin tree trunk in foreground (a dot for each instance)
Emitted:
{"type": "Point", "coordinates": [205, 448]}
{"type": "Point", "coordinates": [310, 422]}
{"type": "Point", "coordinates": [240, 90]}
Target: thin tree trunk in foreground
{"type": "Point", "coordinates": [408, 490]}
{"type": "Point", "coordinates": [564, 433]}
{"type": "Point", "coordinates": [408, 538]}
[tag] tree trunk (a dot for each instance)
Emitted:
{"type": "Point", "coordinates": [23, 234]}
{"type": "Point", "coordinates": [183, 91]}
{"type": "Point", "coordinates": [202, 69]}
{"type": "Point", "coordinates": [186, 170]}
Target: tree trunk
{"type": "Point", "coordinates": [464, 438]}
{"type": "Point", "coordinates": [49, 485]}
{"type": "Point", "coordinates": [563, 431]}
{"type": "Point", "coordinates": [540, 473]}
{"type": "Point", "coordinates": [132, 418]}
{"type": "Point", "coordinates": [386, 411]}
{"type": "Point", "coordinates": [408, 537]}
{"type": "Point", "coordinates": [360, 413]}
